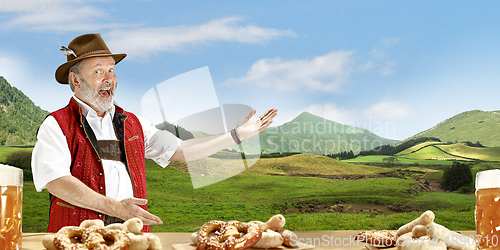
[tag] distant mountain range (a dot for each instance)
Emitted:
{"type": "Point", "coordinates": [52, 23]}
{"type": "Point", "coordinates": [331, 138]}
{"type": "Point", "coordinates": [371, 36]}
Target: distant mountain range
{"type": "Point", "coordinates": [306, 133]}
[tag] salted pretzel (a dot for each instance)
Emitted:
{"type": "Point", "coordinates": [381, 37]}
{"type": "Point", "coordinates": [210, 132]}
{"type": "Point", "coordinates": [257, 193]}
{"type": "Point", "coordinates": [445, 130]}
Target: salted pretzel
{"type": "Point", "coordinates": [96, 238]}
{"type": "Point", "coordinates": [233, 235]}
{"type": "Point", "coordinates": [63, 239]}
{"type": "Point", "coordinates": [378, 237]}
{"type": "Point", "coordinates": [93, 235]}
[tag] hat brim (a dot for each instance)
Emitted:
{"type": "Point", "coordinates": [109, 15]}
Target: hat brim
{"type": "Point", "coordinates": [62, 71]}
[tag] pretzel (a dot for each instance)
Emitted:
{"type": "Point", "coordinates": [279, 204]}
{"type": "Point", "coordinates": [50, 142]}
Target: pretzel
{"type": "Point", "coordinates": [97, 237]}
{"type": "Point", "coordinates": [63, 238]}
{"type": "Point", "coordinates": [205, 241]}
{"type": "Point", "coordinates": [227, 235]}
{"type": "Point", "coordinates": [378, 237]}
{"type": "Point", "coordinates": [92, 234]}
{"type": "Point", "coordinates": [252, 234]}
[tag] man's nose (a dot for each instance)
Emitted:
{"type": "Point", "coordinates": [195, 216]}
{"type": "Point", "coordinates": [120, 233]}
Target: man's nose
{"type": "Point", "coordinates": [108, 76]}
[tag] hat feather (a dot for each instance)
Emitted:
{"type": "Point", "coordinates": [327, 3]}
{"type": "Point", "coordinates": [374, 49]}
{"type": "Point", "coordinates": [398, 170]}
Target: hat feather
{"type": "Point", "coordinates": [68, 52]}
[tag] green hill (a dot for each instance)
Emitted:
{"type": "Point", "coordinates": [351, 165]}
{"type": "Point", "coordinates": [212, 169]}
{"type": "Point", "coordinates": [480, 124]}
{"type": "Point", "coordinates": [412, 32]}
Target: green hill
{"type": "Point", "coordinates": [308, 133]}
{"type": "Point", "coordinates": [417, 147]}
{"type": "Point", "coordinates": [473, 126]}
{"type": "Point", "coordinates": [431, 153]}
{"type": "Point", "coordinates": [483, 154]}
{"type": "Point", "coordinates": [19, 116]}
{"type": "Point", "coordinates": [455, 151]}
{"type": "Point", "coordinates": [310, 165]}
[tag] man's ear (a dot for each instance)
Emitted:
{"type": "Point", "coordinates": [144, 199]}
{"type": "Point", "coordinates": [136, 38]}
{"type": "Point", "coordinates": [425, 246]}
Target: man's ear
{"type": "Point", "coordinates": [75, 79]}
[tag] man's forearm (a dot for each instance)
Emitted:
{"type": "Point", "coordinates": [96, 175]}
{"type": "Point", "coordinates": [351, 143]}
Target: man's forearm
{"type": "Point", "coordinates": [198, 148]}
{"type": "Point", "coordinates": [73, 191]}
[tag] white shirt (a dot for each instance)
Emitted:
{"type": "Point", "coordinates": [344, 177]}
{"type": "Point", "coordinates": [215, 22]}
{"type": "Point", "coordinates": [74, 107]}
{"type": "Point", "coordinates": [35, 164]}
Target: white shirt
{"type": "Point", "coordinates": [51, 157]}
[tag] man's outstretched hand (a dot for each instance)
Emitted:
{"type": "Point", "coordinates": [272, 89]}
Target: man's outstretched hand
{"type": "Point", "coordinates": [247, 128]}
{"type": "Point", "coordinates": [128, 208]}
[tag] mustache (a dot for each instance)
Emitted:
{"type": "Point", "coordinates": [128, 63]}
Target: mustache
{"type": "Point", "coordinates": [105, 86]}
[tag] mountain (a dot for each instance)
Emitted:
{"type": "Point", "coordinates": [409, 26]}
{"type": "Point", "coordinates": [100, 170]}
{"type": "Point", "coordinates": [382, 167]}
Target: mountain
{"type": "Point", "coordinates": [308, 133]}
{"type": "Point", "coordinates": [473, 126]}
{"type": "Point", "coordinates": [19, 116]}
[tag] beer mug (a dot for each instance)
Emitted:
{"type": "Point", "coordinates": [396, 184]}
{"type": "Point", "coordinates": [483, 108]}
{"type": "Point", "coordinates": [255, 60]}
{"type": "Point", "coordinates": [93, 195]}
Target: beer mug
{"type": "Point", "coordinates": [487, 212]}
{"type": "Point", "coordinates": [11, 200]}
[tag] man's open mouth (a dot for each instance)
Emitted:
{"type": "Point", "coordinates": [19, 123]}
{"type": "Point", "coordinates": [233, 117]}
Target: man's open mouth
{"type": "Point", "coordinates": [105, 92]}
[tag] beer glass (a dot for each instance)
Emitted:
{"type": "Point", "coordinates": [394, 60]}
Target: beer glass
{"type": "Point", "coordinates": [11, 196]}
{"type": "Point", "coordinates": [487, 212]}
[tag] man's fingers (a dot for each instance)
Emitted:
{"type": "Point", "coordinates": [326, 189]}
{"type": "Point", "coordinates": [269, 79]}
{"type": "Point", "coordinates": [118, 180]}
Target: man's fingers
{"type": "Point", "coordinates": [266, 114]}
{"type": "Point", "coordinates": [151, 220]}
{"type": "Point", "coordinates": [136, 201]}
{"type": "Point", "coordinates": [147, 218]}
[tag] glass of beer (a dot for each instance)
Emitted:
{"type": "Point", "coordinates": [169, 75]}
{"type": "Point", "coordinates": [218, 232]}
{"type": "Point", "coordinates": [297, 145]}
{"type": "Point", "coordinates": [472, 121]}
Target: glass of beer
{"type": "Point", "coordinates": [488, 209]}
{"type": "Point", "coordinates": [11, 200]}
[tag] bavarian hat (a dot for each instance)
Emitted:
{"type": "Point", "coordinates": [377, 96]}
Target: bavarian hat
{"type": "Point", "coordinates": [82, 47]}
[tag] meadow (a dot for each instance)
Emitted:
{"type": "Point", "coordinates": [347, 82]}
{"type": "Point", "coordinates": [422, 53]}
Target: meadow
{"type": "Point", "coordinates": [250, 196]}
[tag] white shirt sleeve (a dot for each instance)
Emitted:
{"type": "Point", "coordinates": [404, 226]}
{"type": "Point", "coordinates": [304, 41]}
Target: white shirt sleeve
{"type": "Point", "coordinates": [160, 145]}
{"type": "Point", "coordinates": [51, 158]}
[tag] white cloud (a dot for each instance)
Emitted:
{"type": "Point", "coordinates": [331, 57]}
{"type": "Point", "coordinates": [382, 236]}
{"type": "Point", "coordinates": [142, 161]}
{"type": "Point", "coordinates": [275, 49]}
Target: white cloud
{"type": "Point", "coordinates": [11, 69]}
{"type": "Point", "coordinates": [325, 73]}
{"type": "Point", "coordinates": [143, 42]}
{"type": "Point", "coordinates": [67, 16]}
{"type": "Point", "coordinates": [380, 53]}
{"type": "Point", "coordinates": [332, 112]}
{"type": "Point", "coordinates": [388, 109]}
{"type": "Point", "coordinates": [385, 110]}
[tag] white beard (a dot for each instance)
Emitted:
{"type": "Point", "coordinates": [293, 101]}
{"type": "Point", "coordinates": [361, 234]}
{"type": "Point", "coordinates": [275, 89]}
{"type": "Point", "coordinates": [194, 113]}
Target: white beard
{"type": "Point", "coordinates": [92, 96]}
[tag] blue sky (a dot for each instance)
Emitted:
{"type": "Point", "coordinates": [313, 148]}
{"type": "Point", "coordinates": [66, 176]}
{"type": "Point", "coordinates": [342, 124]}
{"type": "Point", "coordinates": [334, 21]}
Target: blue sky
{"type": "Point", "coordinates": [394, 67]}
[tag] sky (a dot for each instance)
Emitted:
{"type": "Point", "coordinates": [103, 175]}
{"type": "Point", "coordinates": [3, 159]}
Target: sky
{"type": "Point", "coordinates": [394, 67]}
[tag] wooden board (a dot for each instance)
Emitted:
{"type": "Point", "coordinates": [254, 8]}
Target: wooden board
{"type": "Point", "coordinates": [191, 246]}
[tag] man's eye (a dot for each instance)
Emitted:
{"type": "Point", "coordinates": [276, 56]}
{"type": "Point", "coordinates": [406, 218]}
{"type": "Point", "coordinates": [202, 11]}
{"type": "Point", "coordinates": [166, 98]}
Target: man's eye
{"type": "Point", "coordinates": [111, 71]}
{"type": "Point", "coordinates": [97, 72]}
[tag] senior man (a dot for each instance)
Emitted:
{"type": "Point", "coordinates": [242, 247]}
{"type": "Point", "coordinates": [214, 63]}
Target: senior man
{"type": "Point", "coordinates": [90, 155]}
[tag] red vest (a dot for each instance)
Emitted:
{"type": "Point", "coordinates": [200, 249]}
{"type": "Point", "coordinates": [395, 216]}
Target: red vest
{"type": "Point", "coordinates": [86, 164]}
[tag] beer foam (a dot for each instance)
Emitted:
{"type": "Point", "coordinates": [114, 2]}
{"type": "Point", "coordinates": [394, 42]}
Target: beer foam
{"type": "Point", "coordinates": [488, 179]}
{"type": "Point", "coordinates": [10, 176]}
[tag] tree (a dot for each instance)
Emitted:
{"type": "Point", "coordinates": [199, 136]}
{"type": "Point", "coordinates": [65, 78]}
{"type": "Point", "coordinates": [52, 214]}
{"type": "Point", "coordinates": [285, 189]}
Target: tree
{"type": "Point", "coordinates": [390, 160]}
{"type": "Point", "coordinates": [456, 176]}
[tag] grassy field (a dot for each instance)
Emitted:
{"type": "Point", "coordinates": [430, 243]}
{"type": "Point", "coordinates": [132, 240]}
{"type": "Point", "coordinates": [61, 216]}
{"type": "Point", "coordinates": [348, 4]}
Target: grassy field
{"type": "Point", "coordinates": [401, 160]}
{"type": "Point", "coordinates": [312, 165]}
{"type": "Point", "coordinates": [483, 154]}
{"type": "Point", "coordinates": [4, 151]}
{"type": "Point", "coordinates": [417, 147]}
{"type": "Point", "coordinates": [275, 186]}
{"type": "Point", "coordinates": [257, 197]}
{"type": "Point", "coordinates": [432, 153]}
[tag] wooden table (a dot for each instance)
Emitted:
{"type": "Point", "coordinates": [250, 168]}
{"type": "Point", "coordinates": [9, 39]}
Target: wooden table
{"type": "Point", "coordinates": [322, 240]}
